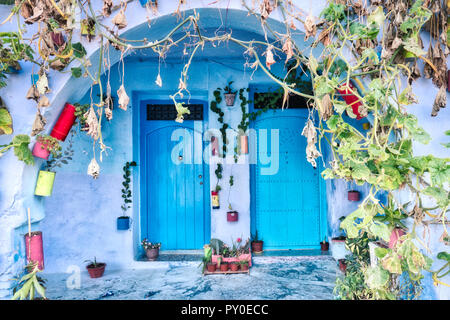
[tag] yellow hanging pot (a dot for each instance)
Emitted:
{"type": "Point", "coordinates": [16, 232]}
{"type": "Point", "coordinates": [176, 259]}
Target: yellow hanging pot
{"type": "Point", "coordinates": [44, 184]}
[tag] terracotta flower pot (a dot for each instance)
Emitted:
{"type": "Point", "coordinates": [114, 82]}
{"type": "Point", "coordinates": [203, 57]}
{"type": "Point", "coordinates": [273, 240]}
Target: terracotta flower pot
{"type": "Point", "coordinates": [244, 267]}
{"type": "Point", "coordinates": [232, 216]}
{"type": "Point", "coordinates": [353, 195]}
{"type": "Point", "coordinates": [224, 266]}
{"type": "Point", "coordinates": [215, 200]}
{"type": "Point", "coordinates": [229, 99]}
{"type": "Point", "coordinates": [342, 265]}
{"type": "Point", "coordinates": [65, 122]}
{"type": "Point", "coordinates": [234, 267]}
{"type": "Point", "coordinates": [34, 248]}
{"type": "Point", "coordinates": [211, 267]}
{"type": "Point", "coordinates": [96, 272]}
{"type": "Point", "coordinates": [324, 246]}
{"type": "Point", "coordinates": [40, 151]}
{"type": "Point", "coordinates": [257, 246]}
{"type": "Point", "coordinates": [44, 184]}
{"type": "Point", "coordinates": [152, 254]}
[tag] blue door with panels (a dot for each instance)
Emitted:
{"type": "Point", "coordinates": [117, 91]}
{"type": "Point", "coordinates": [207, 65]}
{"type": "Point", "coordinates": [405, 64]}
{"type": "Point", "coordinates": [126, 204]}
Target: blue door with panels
{"type": "Point", "coordinates": [286, 206]}
{"type": "Point", "coordinates": [173, 177]}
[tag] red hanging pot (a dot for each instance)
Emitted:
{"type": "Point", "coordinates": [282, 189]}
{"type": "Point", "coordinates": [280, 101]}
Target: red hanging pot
{"type": "Point", "coordinates": [64, 123]}
{"type": "Point", "coordinates": [34, 248]}
{"type": "Point", "coordinates": [232, 216]}
{"type": "Point", "coordinates": [351, 99]}
{"type": "Point", "coordinates": [353, 195]}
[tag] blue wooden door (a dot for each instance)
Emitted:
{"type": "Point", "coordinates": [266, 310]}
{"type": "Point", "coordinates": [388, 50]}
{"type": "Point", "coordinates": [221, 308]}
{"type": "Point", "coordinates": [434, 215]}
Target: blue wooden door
{"type": "Point", "coordinates": [285, 205]}
{"type": "Point", "coordinates": [173, 184]}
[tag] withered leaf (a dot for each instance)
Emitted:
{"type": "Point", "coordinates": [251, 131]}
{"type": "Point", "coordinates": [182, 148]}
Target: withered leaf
{"type": "Point", "coordinates": [440, 101]}
{"type": "Point", "coordinates": [38, 124]}
{"type": "Point", "coordinates": [123, 98]}
{"type": "Point", "coordinates": [120, 20]}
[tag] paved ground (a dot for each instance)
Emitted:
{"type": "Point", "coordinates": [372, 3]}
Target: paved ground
{"type": "Point", "coordinates": [270, 278]}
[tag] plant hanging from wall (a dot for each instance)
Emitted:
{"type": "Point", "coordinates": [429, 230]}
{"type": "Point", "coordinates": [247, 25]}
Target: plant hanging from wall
{"type": "Point", "coordinates": [123, 220]}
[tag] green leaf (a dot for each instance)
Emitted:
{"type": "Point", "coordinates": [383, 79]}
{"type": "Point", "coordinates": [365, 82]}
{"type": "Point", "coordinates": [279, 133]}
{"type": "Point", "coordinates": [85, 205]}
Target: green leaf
{"type": "Point", "coordinates": [444, 256]}
{"type": "Point", "coordinates": [377, 17]}
{"type": "Point", "coordinates": [376, 278]}
{"type": "Point", "coordinates": [380, 230]}
{"type": "Point", "coordinates": [392, 263]}
{"type": "Point", "coordinates": [76, 72]}
{"type": "Point", "coordinates": [78, 50]}
{"type": "Point", "coordinates": [441, 196]}
{"type": "Point", "coordinates": [360, 171]}
{"type": "Point", "coordinates": [5, 122]}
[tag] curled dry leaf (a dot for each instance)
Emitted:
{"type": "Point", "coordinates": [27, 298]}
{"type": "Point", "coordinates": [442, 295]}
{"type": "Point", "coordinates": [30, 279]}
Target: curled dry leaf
{"type": "Point", "coordinates": [269, 57]}
{"type": "Point", "coordinates": [325, 107]}
{"type": "Point", "coordinates": [42, 84]}
{"type": "Point", "coordinates": [266, 9]}
{"type": "Point", "coordinates": [91, 123]}
{"type": "Point", "coordinates": [107, 8]}
{"type": "Point", "coordinates": [287, 48]}
{"type": "Point", "coordinates": [311, 137]}
{"type": "Point", "coordinates": [158, 80]}
{"type": "Point", "coordinates": [93, 169]}
{"type": "Point", "coordinates": [33, 93]}
{"type": "Point", "coordinates": [43, 102]}
{"type": "Point", "coordinates": [440, 101]}
{"type": "Point", "coordinates": [310, 27]}
{"type": "Point", "coordinates": [38, 124]}
{"type": "Point", "coordinates": [108, 113]}
{"type": "Point", "coordinates": [120, 20]}
{"type": "Point", "coordinates": [57, 65]}
{"type": "Point", "coordinates": [324, 37]}
{"type": "Point", "coordinates": [123, 98]}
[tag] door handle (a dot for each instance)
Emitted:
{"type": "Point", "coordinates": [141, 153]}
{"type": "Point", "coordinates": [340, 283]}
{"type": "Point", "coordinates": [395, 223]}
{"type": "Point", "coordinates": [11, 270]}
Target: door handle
{"type": "Point", "coordinates": [200, 176]}
{"type": "Point", "coordinates": [201, 182]}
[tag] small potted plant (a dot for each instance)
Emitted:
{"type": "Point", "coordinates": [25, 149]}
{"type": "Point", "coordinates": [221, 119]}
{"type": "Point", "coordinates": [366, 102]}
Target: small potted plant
{"type": "Point", "coordinates": [257, 244]}
{"type": "Point", "coordinates": [45, 145]}
{"type": "Point", "coordinates": [46, 177]}
{"type": "Point", "coordinates": [230, 94]}
{"type": "Point", "coordinates": [95, 269]}
{"type": "Point", "coordinates": [224, 266]}
{"type": "Point", "coordinates": [234, 266]}
{"type": "Point", "coordinates": [123, 222]}
{"type": "Point", "coordinates": [151, 249]}
{"type": "Point", "coordinates": [232, 215]}
{"type": "Point", "coordinates": [324, 245]}
{"type": "Point", "coordinates": [244, 265]}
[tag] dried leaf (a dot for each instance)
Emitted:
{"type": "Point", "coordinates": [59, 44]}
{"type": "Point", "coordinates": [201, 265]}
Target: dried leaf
{"type": "Point", "coordinates": [120, 20]}
{"type": "Point", "coordinates": [310, 27]}
{"type": "Point", "coordinates": [158, 80]}
{"type": "Point", "coordinates": [324, 37]}
{"type": "Point", "coordinates": [107, 8]}
{"type": "Point", "coordinates": [108, 113]}
{"type": "Point", "coordinates": [43, 102]}
{"type": "Point", "coordinates": [269, 57]}
{"type": "Point", "coordinates": [33, 93]}
{"type": "Point", "coordinates": [440, 101]}
{"type": "Point", "coordinates": [287, 48]}
{"type": "Point", "coordinates": [38, 124]}
{"type": "Point", "coordinates": [311, 137]}
{"type": "Point", "coordinates": [325, 107]}
{"type": "Point", "coordinates": [123, 98]}
{"type": "Point", "coordinates": [42, 84]}
{"type": "Point", "coordinates": [93, 169]}
{"type": "Point", "coordinates": [91, 123]}
{"type": "Point", "coordinates": [57, 65]}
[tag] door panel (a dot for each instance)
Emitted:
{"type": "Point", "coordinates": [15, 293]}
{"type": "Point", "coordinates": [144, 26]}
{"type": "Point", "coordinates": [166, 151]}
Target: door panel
{"type": "Point", "coordinates": [286, 204]}
{"type": "Point", "coordinates": [173, 193]}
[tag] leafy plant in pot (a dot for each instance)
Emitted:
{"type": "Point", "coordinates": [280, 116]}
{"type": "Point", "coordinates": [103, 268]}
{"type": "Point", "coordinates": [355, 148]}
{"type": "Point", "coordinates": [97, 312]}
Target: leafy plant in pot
{"type": "Point", "coordinates": [244, 265]}
{"type": "Point", "coordinates": [151, 249]}
{"type": "Point", "coordinates": [95, 269]}
{"type": "Point", "coordinates": [230, 94]}
{"type": "Point", "coordinates": [46, 177]}
{"type": "Point", "coordinates": [123, 222]}
{"type": "Point", "coordinates": [232, 215]}
{"type": "Point", "coordinates": [257, 244]}
{"type": "Point", "coordinates": [207, 263]}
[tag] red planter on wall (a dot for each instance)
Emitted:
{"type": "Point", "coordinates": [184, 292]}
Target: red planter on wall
{"type": "Point", "coordinates": [351, 99]}
{"type": "Point", "coordinates": [232, 216]}
{"type": "Point", "coordinates": [34, 248]}
{"type": "Point", "coordinates": [64, 123]}
{"type": "Point", "coordinates": [353, 195]}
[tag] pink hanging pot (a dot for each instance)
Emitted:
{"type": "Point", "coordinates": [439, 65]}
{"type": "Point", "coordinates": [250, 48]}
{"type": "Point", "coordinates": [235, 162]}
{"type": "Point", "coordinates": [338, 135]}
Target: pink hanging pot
{"type": "Point", "coordinates": [395, 236]}
{"type": "Point", "coordinates": [214, 146]}
{"type": "Point", "coordinates": [353, 195]}
{"type": "Point", "coordinates": [65, 122]}
{"type": "Point", "coordinates": [40, 150]}
{"type": "Point", "coordinates": [232, 216]}
{"type": "Point", "coordinates": [34, 248]}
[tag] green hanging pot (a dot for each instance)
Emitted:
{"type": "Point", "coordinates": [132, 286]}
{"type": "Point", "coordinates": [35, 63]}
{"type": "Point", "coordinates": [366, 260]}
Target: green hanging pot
{"type": "Point", "coordinates": [44, 184]}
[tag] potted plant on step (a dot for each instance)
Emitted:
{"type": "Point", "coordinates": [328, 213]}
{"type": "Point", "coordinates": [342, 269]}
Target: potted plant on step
{"type": "Point", "coordinates": [244, 265]}
{"type": "Point", "coordinates": [342, 265]}
{"type": "Point", "coordinates": [257, 244]}
{"type": "Point", "coordinates": [123, 222]}
{"type": "Point", "coordinates": [151, 249]}
{"type": "Point", "coordinates": [324, 245]}
{"type": "Point", "coordinates": [230, 94]}
{"type": "Point", "coordinates": [207, 264]}
{"type": "Point", "coordinates": [234, 266]}
{"type": "Point", "coordinates": [95, 269]}
{"type": "Point", "coordinates": [46, 177]}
